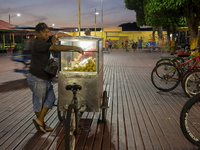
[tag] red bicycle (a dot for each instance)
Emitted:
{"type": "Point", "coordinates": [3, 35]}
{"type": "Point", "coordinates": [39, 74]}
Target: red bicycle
{"type": "Point", "coordinates": [167, 76]}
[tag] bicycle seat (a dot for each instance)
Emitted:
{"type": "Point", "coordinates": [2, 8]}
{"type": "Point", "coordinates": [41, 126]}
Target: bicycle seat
{"type": "Point", "coordinates": [73, 87]}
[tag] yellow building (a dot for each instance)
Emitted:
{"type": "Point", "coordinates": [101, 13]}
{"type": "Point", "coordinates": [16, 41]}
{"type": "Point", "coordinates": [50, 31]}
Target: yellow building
{"type": "Point", "coordinates": [118, 36]}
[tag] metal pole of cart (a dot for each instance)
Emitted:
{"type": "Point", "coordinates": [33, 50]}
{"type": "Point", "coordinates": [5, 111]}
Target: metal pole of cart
{"type": "Point", "coordinates": [101, 18]}
{"type": "Point", "coordinates": [79, 17]}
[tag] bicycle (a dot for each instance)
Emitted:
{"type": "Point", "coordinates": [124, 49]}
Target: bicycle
{"type": "Point", "coordinates": [172, 74]}
{"type": "Point", "coordinates": [73, 114]}
{"type": "Point", "coordinates": [176, 59]}
{"type": "Point", "coordinates": [71, 122]}
{"type": "Point", "coordinates": [183, 54]}
{"type": "Point", "coordinates": [190, 120]}
{"type": "Point", "coordinates": [191, 84]}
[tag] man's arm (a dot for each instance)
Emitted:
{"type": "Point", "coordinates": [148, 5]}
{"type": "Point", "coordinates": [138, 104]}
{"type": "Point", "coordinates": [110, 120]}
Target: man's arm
{"type": "Point", "coordinates": [56, 36]}
{"type": "Point", "coordinates": [65, 48]}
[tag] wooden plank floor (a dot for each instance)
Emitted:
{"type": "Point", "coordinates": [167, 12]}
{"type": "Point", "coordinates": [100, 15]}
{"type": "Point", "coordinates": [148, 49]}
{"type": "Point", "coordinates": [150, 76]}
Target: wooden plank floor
{"type": "Point", "coordinates": [140, 117]}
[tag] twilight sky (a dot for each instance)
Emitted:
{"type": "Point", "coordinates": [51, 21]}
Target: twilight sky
{"type": "Point", "coordinates": [64, 13]}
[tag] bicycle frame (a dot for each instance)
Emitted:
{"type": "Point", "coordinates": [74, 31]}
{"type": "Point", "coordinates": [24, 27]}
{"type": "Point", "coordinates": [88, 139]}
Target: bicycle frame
{"type": "Point", "coordinates": [74, 99]}
{"type": "Point", "coordinates": [75, 102]}
{"type": "Point", "coordinates": [174, 58]}
{"type": "Point", "coordinates": [190, 67]}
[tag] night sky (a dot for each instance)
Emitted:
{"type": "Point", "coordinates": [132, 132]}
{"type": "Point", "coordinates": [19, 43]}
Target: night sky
{"type": "Point", "coordinates": [64, 13]}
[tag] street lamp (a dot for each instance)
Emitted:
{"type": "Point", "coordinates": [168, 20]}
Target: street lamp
{"type": "Point", "coordinates": [96, 13]}
{"type": "Point", "coordinates": [102, 18]}
{"type": "Point", "coordinates": [13, 16]}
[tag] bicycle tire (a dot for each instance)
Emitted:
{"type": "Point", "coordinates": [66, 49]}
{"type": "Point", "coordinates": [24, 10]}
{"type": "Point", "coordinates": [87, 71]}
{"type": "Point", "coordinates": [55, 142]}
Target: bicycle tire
{"type": "Point", "coordinates": [71, 128]}
{"type": "Point", "coordinates": [104, 103]}
{"type": "Point", "coordinates": [191, 87]}
{"type": "Point", "coordinates": [190, 120]}
{"type": "Point", "coordinates": [184, 75]}
{"type": "Point", "coordinates": [163, 60]}
{"type": "Point", "coordinates": [164, 78]}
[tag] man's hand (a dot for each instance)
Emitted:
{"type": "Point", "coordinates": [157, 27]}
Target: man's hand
{"type": "Point", "coordinates": [54, 39]}
{"type": "Point", "coordinates": [78, 49]}
{"type": "Point", "coordinates": [56, 36]}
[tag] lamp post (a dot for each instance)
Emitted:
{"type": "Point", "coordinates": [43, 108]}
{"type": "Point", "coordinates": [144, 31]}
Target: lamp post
{"type": "Point", "coordinates": [102, 18]}
{"type": "Point", "coordinates": [79, 10]}
{"type": "Point", "coordinates": [96, 13]}
{"type": "Point", "coordinates": [13, 16]}
{"type": "Point", "coordinates": [10, 49]}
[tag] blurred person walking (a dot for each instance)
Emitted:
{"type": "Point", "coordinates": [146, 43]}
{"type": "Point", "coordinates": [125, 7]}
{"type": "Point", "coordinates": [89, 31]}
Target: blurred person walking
{"type": "Point", "coordinates": [107, 46]}
{"type": "Point", "coordinates": [126, 44]}
{"type": "Point", "coordinates": [110, 44]}
{"type": "Point", "coordinates": [123, 45]}
{"type": "Point", "coordinates": [140, 41]}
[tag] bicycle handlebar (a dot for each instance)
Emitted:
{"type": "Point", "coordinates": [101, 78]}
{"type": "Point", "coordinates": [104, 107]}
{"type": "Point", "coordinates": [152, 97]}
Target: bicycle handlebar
{"type": "Point", "coordinates": [73, 87]}
{"type": "Point", "coordinates": [196, 48]}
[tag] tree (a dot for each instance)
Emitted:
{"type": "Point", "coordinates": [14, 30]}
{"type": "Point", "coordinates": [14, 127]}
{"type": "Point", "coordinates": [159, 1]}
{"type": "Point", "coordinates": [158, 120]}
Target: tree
{"type": "Point", "coordinates": [190, 9]}
{"type": "Point", "coordinates": [163, 18]}
{"type": "Point", "coordinates": [138, 7]}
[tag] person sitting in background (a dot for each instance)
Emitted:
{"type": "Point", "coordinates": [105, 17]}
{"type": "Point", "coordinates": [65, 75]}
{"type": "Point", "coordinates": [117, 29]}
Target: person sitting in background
{"type": "Point", "coordinates": [87, 32]}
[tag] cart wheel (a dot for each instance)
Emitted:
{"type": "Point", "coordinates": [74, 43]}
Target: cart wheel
{"type": "Point", "coordinates": [104, 104]}
{"type": "Point", "coordinates": [61, 115]}
{"type": "Point", "coordinates": [71, 128]}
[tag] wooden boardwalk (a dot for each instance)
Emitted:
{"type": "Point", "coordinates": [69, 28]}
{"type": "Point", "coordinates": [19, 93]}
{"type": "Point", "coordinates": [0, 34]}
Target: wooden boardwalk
{"type": "Point", "coordinates": [139, 118]}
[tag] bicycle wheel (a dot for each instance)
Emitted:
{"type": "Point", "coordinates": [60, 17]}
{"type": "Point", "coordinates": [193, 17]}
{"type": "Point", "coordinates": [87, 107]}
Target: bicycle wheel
{"type": "Point", "coordinates": [104, 104]}
{"type": "Point", "coordinates": [164, 77]}
{"type": "Point", "coordinates": [173, 62]}
{"type": "Point", "coordinates": [191, 83]}
{"type": "Point", "coordinates": [183, 78]}
{"type": "Point", "coordinates": [190, 120]}
{"type": "Point", "coordinates": [71, 128]}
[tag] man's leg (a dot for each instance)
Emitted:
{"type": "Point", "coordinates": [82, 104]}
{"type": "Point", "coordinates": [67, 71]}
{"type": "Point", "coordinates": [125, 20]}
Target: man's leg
{"type": "Point", "coordinates": [40, 118]}
{"type": "Point", "coordinates": [38, 87]}
{"type": "Point", "coordinates": [37, 114]}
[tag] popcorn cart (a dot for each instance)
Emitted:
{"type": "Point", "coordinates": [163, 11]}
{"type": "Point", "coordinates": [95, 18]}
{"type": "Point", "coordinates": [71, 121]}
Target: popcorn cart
{"type": "Point", "coordinates": [80, 81]}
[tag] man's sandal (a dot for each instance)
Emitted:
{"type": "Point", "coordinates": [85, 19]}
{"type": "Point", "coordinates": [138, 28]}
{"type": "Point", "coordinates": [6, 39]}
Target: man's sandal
{"type": "Point", "coordinates": [40, 128]}
{"type": "Point", "coordinates": [47, 128]}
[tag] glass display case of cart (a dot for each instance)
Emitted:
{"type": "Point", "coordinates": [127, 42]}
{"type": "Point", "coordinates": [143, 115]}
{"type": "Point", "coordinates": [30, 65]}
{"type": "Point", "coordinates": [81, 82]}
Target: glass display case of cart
{"type": "Point", "coordinates": [90, 61]}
